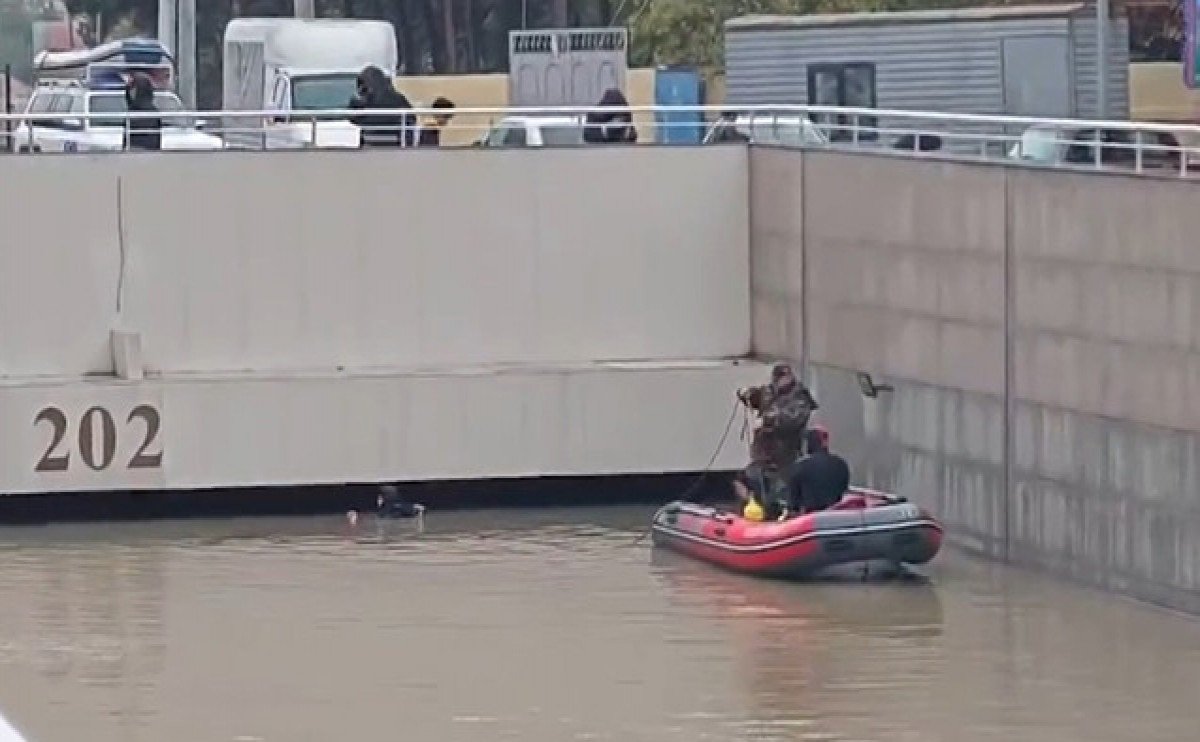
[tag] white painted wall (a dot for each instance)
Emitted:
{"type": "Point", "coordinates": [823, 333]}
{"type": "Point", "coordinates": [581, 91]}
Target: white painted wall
{"type": "Point", "coordinates": [244, 430]}
{"type": "Point", "coordinates": [59, 265]}
{"type": "Point", "coordinates": [314, 260]}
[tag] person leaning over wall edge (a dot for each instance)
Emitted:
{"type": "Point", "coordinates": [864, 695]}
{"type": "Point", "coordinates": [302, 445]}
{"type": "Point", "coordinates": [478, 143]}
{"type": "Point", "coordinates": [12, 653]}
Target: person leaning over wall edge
{"type": "Point", "coordinates": [144, 133]}
{"type": "Point", "coordinates": [373, 89]}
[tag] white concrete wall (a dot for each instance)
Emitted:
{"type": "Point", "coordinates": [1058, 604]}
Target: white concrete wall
{"type": "Point", "coordinates": [245, 430]}
{"type": "Point", "coordinates": [315, 260]}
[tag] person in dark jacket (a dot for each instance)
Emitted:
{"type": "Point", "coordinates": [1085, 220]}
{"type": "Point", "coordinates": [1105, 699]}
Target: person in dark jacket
{"type": "Point", "coordinates": [144, 133]}
{"type": "Point", "coordinates": [431, 131]}
{"type": "Point", "coordinates": [820, 479]}
{"type": "Point", "coordinates": [784, 406]}
{"type": "Point", "coordinates": [610, 128]}
{"type": "Point", "coordinates": [375, 90]}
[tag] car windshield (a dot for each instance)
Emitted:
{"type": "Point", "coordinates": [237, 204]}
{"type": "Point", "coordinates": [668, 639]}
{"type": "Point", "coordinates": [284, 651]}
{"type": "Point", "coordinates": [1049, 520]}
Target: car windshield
{"type": "Point", "coordinates": [788, 131]}
{"type": "Point", "coordinates": [1040, 144]}
{"type": "Point", "coordinates": [115, 103]}
{"type": "Point", "coordinates": [322, 92]}
{"type": "Point", "coordinates": [560, 135]}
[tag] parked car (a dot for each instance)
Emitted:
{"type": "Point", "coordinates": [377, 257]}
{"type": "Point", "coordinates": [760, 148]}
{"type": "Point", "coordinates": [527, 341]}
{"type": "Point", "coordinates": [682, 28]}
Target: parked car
{"type": "Point", "coordinates": [72, 132]}
{"type": "Point", "coordinates": [535, 131]}
{"type": "Point", "coordinates": [761, 128]}
{"type": "Point", "coordinates": [1046, 144]}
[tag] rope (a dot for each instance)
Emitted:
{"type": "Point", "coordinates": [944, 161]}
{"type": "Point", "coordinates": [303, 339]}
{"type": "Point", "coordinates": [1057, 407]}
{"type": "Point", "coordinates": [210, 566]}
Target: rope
{"type": "Point", "coordinates": [707, 468]}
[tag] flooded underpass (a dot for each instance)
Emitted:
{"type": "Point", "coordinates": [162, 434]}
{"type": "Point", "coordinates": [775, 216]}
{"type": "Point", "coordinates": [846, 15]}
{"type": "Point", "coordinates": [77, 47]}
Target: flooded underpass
{"type": "Point", "coordinates": [549, 625]}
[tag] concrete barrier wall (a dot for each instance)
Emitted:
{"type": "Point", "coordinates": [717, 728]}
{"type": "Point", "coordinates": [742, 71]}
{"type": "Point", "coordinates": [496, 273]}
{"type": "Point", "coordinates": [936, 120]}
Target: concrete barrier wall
{"type": "Point", "coordinates": [903, 277]}
{"type": "Point", "coordinates": [319, 260]}
{"type": "Point", "coordinates": [60, 266]}
{"type": "Point", "coordinates": [1106, 423]}
{"type": "Point", "coordinates": [777, 260]}
{"type": "Point", "coordinates": [1042, 332]}
{"type": "Point", "coordinates": [198, 431]}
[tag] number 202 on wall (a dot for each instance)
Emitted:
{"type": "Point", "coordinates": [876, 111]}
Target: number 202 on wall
{"type": "Point", "coordinates": [97, 426]}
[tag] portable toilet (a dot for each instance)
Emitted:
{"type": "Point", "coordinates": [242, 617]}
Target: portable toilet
{"type": "Point", "coordinates": [678, 86]}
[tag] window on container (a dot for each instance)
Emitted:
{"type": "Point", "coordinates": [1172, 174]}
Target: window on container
{"type": "Point", "coordinates": [845, 85]}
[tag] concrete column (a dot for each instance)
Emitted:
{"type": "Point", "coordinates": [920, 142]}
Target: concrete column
{"type": "Point", "coordinates": [166, 24]}
{"type": "Point", "coordinates": [1102, 22]}
{"type": "Point", "coordinates": [305, 8]}
{"type": "Point", "coordinates": [186, 55]}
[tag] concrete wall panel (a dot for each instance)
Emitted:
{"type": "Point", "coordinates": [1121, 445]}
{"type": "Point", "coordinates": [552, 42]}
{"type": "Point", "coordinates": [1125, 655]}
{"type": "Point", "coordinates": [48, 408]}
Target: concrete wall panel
{"type": "Point", "coordinates": [279, 261]}
{"type": "Point", "coordinates": [566, 255]}
{"type": "Point", "coordinates": [777, 260]}
{"type": "Point", "coordinates": [258, 429]}
{"type": "Point", "coordinates": [1107, 381]}
{"type": "Point", "coordinates": [905, 268]}
{"type": "Point", "coordinates": [60, 260]}
{"type": "Point", "coordinates": [905, 263]}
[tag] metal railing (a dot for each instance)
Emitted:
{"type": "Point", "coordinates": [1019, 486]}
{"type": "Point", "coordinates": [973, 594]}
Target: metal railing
{"type": "Point", "coordinates": [1138, 147]}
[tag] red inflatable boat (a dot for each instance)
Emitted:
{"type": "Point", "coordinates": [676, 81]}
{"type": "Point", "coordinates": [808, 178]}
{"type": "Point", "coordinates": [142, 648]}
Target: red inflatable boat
{"type": "Point", "coordinates": [865, 527]}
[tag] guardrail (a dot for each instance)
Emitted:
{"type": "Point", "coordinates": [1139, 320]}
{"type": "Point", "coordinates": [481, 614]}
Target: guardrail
{"type": "Point", "coordinates": [1138, 147]}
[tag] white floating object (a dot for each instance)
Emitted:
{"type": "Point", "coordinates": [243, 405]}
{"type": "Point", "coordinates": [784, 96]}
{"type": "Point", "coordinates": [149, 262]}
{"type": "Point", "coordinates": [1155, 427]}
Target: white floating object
{"type": "Point", "coordinates": [9, 733]}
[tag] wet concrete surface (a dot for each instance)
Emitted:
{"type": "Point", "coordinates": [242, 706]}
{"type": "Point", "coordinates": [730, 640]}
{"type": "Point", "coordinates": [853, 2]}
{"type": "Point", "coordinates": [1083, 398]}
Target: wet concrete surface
{"type": "Point", "coordinates": [551, 624]}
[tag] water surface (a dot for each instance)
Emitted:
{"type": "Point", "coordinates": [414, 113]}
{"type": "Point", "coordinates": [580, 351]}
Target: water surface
{"type": "Point", "coordinates": [549, 625]}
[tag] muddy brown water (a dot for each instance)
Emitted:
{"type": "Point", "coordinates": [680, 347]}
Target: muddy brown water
{"type": "Point", "coordinates": [551, 625]}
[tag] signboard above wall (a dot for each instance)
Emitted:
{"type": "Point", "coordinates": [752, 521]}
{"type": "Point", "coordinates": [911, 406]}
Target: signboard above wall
{"type": "Point", "coordinates": [565, 67]}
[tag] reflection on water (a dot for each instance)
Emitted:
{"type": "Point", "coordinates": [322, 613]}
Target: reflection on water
{"type": "Point", "coordinates": [550, 625]}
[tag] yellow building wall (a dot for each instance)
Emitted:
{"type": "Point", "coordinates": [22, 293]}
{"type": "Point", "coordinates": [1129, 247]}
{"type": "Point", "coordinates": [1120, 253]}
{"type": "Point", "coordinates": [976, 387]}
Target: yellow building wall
{"type": "Point", "coordinates": [1157, 93]}
{"type": "Point", "coordinates": [491, 91]}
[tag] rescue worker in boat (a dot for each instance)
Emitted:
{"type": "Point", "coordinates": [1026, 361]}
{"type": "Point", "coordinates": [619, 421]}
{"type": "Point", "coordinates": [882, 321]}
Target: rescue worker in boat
{"type": "Point", "coordinates": [784, 406]}
{"type": "Point", "coordinates": [820, 479]}
{"type": "Point", "coordinates": [373, 89]}
{"type": "Point", "coordinates": [144, 133]}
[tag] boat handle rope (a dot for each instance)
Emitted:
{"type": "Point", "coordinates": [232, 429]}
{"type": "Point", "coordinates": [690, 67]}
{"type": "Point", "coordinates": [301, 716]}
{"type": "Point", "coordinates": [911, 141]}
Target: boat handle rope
{"type": "Point", "coordinates": [707, 468]}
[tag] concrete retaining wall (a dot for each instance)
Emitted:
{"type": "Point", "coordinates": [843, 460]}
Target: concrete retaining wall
{"type": "Point", "coordinates": [320, 260]}
{"type": "Point", "coordinates": [1042, 332]}
{"type": "Point", "coordinates": [327, 317]}
{"type": "Point", "coordinates": [201, 431]}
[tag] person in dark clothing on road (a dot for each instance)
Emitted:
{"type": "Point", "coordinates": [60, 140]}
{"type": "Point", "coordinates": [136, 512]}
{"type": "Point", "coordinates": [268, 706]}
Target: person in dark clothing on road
{"type": "Point", "coordinates": [818, 480]}
{"type": "Point", "coordinates": [610, 128]}
{"type": "Point", "coordinates": [144, 132]}
{"type": "Point", "coordinates": [375, 90]}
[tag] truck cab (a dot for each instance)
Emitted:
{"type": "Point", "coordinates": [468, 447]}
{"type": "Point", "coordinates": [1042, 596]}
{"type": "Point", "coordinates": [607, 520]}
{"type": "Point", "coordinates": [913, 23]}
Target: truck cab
{"type": "Point", "coordinates": [296, 68]}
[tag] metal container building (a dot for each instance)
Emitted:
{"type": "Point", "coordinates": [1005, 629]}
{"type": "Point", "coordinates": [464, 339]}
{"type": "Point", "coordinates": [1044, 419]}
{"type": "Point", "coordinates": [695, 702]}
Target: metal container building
{"type": "Point", "coordinates": [1036, 60]}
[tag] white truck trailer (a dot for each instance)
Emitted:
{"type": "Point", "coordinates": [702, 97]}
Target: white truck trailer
{"type": "Point", "coordinates": [294, 66]}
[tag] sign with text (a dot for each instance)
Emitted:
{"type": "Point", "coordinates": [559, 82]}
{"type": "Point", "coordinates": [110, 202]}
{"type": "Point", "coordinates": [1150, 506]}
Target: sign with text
{"type": "Point", "coordinates": [83, 436]}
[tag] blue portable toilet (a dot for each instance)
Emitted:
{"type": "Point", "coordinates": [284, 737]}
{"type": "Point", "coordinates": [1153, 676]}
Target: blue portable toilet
{"type": "Point", "coordinates": [679, 86]}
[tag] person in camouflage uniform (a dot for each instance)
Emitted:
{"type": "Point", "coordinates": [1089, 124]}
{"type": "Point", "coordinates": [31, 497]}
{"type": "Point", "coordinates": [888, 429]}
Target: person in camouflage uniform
{"type": "Point", "coordinates": [784, 407]}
